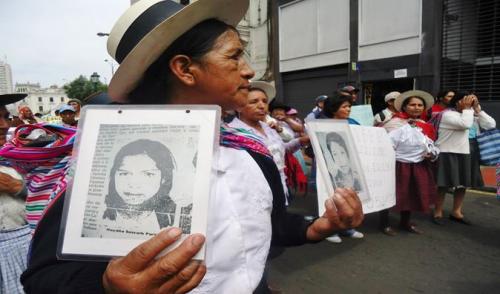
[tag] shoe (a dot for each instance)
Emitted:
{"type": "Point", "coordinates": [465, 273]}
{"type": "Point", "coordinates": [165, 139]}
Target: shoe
{"type": "Point", "coordinates": [389, 231]}
{"type": "Point", "coordinates": [412, 229]}
{"type": "Point", "coordinates": [462, 220]}
{"type": "Point", "coordinates": [352, 233]}
{"type": "Point", "coordinates": [437, 220]}
{"type": "Point", "coordinates": [334, 239]}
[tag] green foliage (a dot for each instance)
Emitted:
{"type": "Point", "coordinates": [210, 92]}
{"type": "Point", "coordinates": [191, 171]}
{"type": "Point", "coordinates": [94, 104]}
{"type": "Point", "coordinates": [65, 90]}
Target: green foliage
{"type": "Point", "coordinates": [82, 87]}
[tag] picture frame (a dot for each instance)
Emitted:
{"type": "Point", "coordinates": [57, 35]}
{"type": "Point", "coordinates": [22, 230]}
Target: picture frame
{"type": "Point", "coordinates": [137, 170]}
{"type": "Point", "coordinates": [336, 156]}
{"type": "Point", "coordinates": [368, 153]}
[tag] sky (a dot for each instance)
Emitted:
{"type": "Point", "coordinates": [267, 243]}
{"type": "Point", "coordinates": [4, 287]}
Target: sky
{"type": "Point", "coordinates": [54, 41]}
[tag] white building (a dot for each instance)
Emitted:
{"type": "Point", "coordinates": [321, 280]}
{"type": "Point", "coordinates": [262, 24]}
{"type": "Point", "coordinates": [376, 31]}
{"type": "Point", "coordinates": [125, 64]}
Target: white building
{"type": "Point", "coordinates": [5, 78]}
{"type": "Point", "coordinates": [379, 46]}
{"type": "Point", "coordinates": [42, 100]}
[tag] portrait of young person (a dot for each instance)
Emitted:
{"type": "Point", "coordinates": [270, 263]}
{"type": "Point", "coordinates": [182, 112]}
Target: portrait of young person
{"type": "Point", "coordinates": [138, 197]}
{"type": "Point", "coordinates": [341, 170]}
{"type": "Point", "coordinates": [175, 54]}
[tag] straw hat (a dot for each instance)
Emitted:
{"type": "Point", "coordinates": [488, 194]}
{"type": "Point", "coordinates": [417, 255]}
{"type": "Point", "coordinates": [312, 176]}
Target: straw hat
{"type": "Point", "coordinates": [6, 99]}
{"type": "Point", "coordinates": [429, 100]}
{"type": "Point", "coordinates": [268, 88]}
{"type": "Point", "coordinates": [149, 27]}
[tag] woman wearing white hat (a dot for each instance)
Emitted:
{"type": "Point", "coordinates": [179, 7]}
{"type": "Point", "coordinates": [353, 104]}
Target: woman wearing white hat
{"type": "Point", "coordinates": [413, 142]}
{"type": "Point", "coordinates": [174, 54]}
{"type": "Point", "coordinates": [252, 117]}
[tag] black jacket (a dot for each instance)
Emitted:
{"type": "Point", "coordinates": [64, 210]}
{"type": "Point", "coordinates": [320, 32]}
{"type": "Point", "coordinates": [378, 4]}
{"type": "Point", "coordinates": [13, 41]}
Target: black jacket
{"type": "Point", "coordinates": [47, 274]}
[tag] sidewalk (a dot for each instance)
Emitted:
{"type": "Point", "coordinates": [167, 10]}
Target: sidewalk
{"type": "Point", "coordinates": [453, 258]}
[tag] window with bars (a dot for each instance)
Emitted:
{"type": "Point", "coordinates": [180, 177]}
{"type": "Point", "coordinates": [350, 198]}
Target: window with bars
{"type": "Point", "coordinates": [471, 47]}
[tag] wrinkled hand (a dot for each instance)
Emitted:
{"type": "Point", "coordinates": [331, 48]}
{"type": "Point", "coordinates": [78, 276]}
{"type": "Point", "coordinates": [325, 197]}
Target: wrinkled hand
{"type": "Point", "coordinates": [467, 101]}
{"type": "Point", "coordinates": [475, 104]}
{"type": "Point", "coordinates": [9, 184]}
{"type": "Point", "coordinates": [347, 214]}
{"type": "Point", "coordinates": [175, 272]}
{"type": "Point", "coordinates": [304, 140]}
{"type": "Point", "coordinates": [275, 125]}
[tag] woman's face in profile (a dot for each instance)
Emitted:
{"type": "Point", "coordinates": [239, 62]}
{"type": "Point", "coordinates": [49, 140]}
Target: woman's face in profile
{"type": "Point", "coordinates": [137, 179]}
{"type": "Point", "coordinates": [340, 156]}
{"type": "Point", "coordinates": [343, 112]}
{"type": "Point", "coordinates": [223, 77]}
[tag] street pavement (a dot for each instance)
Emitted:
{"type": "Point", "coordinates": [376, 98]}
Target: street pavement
{"type": "Point", "coordinates": [453, 258]}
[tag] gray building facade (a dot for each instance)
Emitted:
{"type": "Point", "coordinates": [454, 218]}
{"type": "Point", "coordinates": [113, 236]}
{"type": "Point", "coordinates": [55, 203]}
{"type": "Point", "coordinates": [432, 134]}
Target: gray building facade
{"type": "Point", "coordinates": [386, 45]}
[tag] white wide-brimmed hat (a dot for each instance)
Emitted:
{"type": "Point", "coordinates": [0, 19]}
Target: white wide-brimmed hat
{"type": "Point", "coordinates": [268, 88]}
{"type": "Point", "coordinates": [429, 100]}
{"type": "Point", "coordinates": [149, 27]}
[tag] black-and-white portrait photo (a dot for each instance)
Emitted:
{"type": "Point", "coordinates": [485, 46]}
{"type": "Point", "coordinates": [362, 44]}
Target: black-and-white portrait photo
{"type": "Point", "coordinates": [139, 200]}
{"type": "Point", "coordinates": [341, 167]}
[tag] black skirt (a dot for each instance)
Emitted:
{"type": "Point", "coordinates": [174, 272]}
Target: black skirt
{"type": "Point", "coordinates": [476, 177]}
{"type": "Point", "coordinates": [454, 169]}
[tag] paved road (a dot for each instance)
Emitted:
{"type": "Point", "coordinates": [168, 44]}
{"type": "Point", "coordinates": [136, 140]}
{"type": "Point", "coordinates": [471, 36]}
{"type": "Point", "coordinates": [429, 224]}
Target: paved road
{"type": "Point", "coordinates": [446, 259]}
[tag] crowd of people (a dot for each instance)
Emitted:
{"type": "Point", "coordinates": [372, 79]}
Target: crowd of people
{"type": "Point", "coordinates": [174, 54]}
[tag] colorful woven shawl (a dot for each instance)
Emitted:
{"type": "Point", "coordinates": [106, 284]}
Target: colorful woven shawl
{"type": "Point", "coordinates": [242, 139]}
{"type": "Point", "coordinates": [45, 169]}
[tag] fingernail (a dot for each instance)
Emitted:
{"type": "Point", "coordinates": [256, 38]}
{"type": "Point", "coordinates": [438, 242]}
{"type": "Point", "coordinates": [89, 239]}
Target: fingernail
{"type": "Point", "coordinates": [197, 240]}
{"type": "Point", "coordinates": [329, 203]}
{"type": "Point", "coordinates": [174, 233]}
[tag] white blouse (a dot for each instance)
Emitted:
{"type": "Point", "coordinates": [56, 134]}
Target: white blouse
{"type": "Point", "coordinates": [274, 144]}
{"type": "Point", "coordinates": [239, 225]}
{"type": "Point", "coordinates": [411, 145]}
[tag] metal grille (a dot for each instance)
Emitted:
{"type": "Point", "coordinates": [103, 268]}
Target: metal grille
{"type": "Point", "coordinates": [471, 47]}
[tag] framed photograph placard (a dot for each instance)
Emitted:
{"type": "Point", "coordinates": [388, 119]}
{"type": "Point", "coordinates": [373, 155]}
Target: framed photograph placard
{"type": "Point", "coordinates": [138, 170]}
{"type": "Point", "coordinates": [353, 156]}
{"type": "Point", "coordinates": [336, 156]}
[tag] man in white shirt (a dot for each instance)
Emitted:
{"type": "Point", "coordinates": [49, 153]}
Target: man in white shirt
{"type": "Point", "coordinates": [385, 115]}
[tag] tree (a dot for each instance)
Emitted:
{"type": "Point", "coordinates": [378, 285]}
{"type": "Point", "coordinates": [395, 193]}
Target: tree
{"type": "Point", "coordinates": [82, 87]}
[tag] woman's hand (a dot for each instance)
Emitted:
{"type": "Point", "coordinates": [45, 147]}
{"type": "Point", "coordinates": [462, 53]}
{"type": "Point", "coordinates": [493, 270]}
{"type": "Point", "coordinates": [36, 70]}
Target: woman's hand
{"type": "Point", "coordinates": [475, 104]}
{"type": "Point", "coordinates": [467, 101]}
{"type": "Point", "coordinates": [343, 211]}
{"type": "Point", "coordinates": [275, 125]}
{"type": "Point", "coordinates": [9, 184]}
{"type": "Point", "coordinates": [175, 272]}
{"type": "Point", "coordinates": [304, 141]}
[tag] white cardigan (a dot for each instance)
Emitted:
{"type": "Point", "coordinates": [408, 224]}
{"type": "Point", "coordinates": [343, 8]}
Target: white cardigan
{"type": "Point", "coordinates": [453, 134]}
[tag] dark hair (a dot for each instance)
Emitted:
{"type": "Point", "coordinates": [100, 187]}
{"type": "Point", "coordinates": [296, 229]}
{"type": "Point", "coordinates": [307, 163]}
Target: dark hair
{"type": "Point", "coordinates": [407, 100]}
{"type": "Point", "coordinates": [440, 95]}
{"type": "Point", "coordinates": [333, 103]}
{"type": "Point", "coordinates": [458, 96]}
{"type": "Point", "coordinates": [335, 137]}
{"type": "Point", "coordinates": [156, 84]}
{"type": "Point", "coordinates": [161, 202]}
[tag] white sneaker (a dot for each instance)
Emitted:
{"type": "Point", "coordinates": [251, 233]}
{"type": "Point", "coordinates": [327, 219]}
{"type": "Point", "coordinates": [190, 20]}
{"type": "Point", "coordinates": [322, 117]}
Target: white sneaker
{"type": "Point", "coordinates": [357, 235]}
{"type": "Point", "coordinates": [334, 239]}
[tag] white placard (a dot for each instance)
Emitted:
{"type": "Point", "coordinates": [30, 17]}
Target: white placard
{"type": "Point", "coordinates": [138, 169]}
{"type": "Point", "coordinates": [376, 168]}
{"type": "Point", "coordinates": [400, 73]}
{"type": "Point", "coordinates": [363, 114]}
{"type": "Point", "coordinates": [378, 162]}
